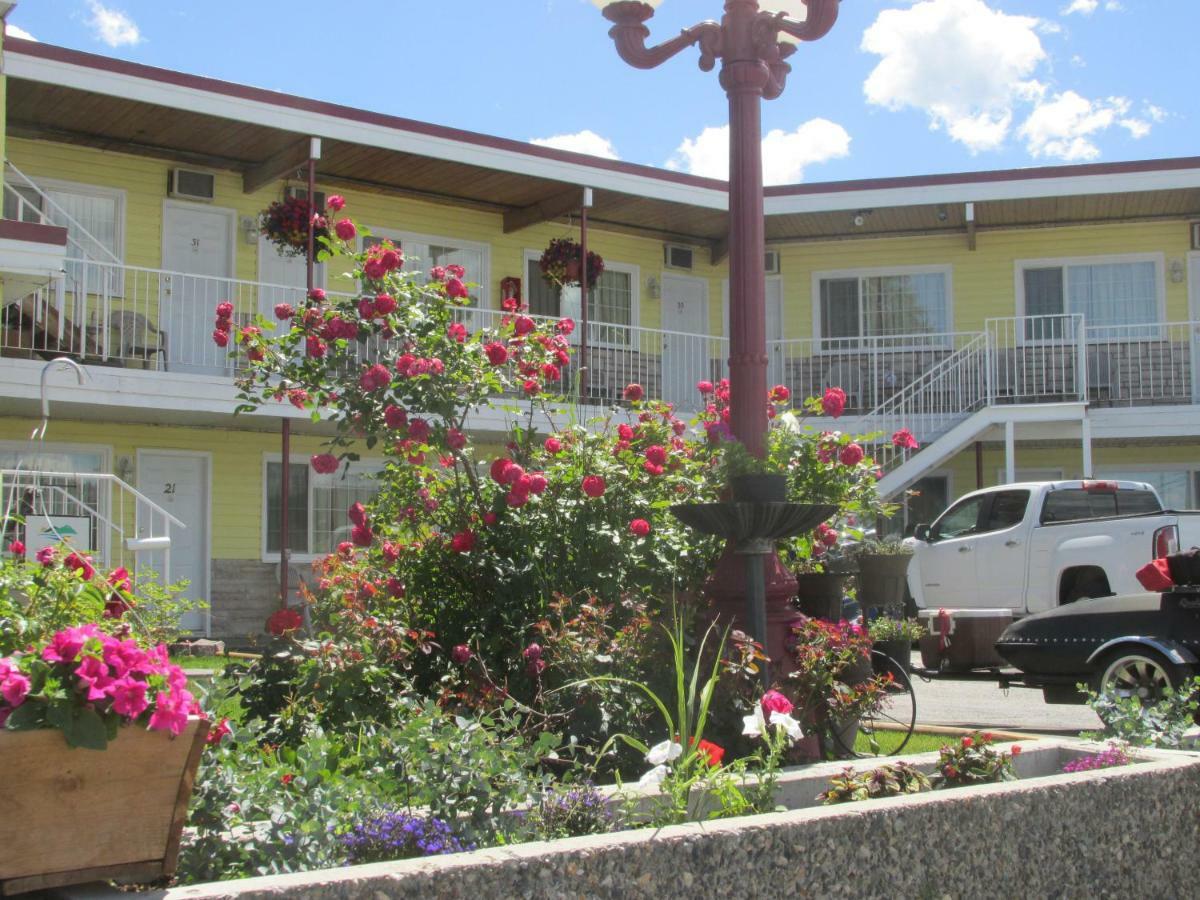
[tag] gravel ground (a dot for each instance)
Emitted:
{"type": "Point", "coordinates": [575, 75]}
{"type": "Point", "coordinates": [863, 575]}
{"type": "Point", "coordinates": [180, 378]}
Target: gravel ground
{"type": "Point", "coordinates": [947, 700]}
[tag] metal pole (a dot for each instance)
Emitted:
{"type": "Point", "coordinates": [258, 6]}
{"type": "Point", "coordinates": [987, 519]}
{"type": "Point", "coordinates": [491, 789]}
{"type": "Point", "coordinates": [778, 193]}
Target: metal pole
{"type": "Point", "coordinates": [756, 602]}
{"type": "Point", "coordinates": [583, 295]}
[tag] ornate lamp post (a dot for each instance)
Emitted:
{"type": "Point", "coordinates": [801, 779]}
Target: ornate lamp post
{"type": "Point", "coordinates": [753, 45]}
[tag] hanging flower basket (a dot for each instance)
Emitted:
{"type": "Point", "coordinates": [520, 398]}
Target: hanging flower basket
{"type": "Point", "coordinates": [285, 224]}
{"type": "Point", "coordinates": [562, 263]}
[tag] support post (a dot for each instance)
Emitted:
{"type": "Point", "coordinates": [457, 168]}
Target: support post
{"type": "Point", "coordinates": [1086, 428]}
{"type": "Point", "coordinates": [583, 295]}
{"type": "Point", "coordinates": [1010, 452]}
{"type": "Point", "coordinates": [978, 465]}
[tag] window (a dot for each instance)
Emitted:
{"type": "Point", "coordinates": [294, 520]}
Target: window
{"type": "Point", "coordinates": [1077, 504]}
{"type": "Point", "coordinates": [317, 506]}
{"type": "Point", "coordinates": [960, 520]}
{"type": "Point", "coordinates": [57, 496]}
{"type": "Point", "coordinates": [1107, 293]}
{"type": "Point", "coordinates": [612, 303]}
{"type": "Point", "coordinates": [422, 253]}
{"type": "Point", "coordinates": [1007, 510]}
{"type": "Point", "coordinates": [856, 306]}
{"type": "Point", "coordinates": [1178, 488]}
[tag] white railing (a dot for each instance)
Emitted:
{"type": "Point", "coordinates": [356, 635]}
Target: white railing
{"type": "Point", "coordinates": [933, 403]}
{"type": "Point", "coordinates": [26, 202]}
{"type": "Point", "coordinates": [869, 369]}
{"type": "Point", "coordinates": [94, 512]}
{"type": "Point", "coordinates": [1143, 364]}
{"type": "Point", "coordinates": [1037, 359]}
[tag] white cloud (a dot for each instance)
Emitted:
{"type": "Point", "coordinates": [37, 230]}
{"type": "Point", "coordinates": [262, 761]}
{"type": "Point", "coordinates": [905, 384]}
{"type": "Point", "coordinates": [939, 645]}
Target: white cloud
{"type": "Point", "coordinates": [785, 154]}
{"type": "Point", "coordinates": [1157, 113]}
{"type": "Point", "coordinates": [1083, 7]}
{"type": "Point", "coordinates": [18, 32]}
{"type": "Point", "coordinates": [1078, 61]}
{"type": "Point", "coordinates": [1113, 6]}
{"type": "Point", "coordinates": [112, 26]}
{"type": "Point", "coordinates": [1065, 127]}
{"type": "Point", "coordinates": [962, 62]}
{"type": "Point", "coordinates": [581, 142]}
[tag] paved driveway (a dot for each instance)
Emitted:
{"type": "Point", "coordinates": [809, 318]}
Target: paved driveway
{"type": "Point", "coordinates": [974, 703]}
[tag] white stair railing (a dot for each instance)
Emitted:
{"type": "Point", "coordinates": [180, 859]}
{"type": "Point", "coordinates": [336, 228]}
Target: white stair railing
{"type": "Point", "coordinates": [19, 187]}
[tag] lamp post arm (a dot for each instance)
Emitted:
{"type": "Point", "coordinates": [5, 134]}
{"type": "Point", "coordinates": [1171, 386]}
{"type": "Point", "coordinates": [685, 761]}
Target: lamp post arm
{"type": "Point", "coordinates": [821, 16]}
{"type": "Point", "coordinates": [629, 33]}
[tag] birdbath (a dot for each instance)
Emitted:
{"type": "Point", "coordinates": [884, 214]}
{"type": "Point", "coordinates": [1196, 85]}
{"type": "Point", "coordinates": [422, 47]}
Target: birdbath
{"type": "Point", "coordinates": [753, 529]}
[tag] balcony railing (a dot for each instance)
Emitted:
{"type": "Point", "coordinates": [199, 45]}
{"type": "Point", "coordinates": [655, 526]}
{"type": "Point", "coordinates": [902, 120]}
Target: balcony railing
{"type": "Point", "coordinates": [129, 316]}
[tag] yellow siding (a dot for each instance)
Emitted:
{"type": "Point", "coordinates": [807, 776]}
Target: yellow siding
{"type": "Point", "coordinates": [237, 467]}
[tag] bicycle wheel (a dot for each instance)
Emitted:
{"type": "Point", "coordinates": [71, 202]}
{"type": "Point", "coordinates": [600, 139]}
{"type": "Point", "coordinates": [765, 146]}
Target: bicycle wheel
{"type": "Point", "coordinates": [886, 730]}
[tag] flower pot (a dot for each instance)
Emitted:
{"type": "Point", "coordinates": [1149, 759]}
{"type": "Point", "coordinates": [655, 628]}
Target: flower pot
{"type": "Point", "coordinates": [72, 816]}
{"type": "Point", "coordinates": [899, 650]}
{"type": "Point", "coordinates": [759, 488]}
{"type": "Point", "coordinates": [882, 579]}
{"type": "Point", "coordinates": [820, 595]}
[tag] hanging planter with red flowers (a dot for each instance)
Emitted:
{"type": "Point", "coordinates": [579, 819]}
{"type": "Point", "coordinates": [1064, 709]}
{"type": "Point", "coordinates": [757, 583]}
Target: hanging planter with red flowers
{"type": "Point", "coordinates": [562, 263]}
{"type": "Point", "coordinates": [285, 224]}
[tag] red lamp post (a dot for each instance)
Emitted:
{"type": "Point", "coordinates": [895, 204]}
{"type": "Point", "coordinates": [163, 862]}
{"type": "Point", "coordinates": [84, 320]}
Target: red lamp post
{"type": "Point", "coordinates": [753, 45]}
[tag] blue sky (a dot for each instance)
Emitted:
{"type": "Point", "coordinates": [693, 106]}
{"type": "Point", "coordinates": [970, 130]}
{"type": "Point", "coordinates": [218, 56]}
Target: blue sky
{"type": "Point", "coordinates": [897, 88]}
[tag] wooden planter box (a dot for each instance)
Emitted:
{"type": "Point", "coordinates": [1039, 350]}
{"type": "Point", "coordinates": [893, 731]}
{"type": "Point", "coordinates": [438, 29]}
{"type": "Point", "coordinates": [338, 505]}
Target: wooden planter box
{"type": "Point", "coordinates": [69, 816]}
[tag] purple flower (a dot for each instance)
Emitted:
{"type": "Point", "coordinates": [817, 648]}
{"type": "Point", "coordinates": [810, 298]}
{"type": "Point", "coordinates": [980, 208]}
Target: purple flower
{"type": "Point", "coordinates": [399, 835]}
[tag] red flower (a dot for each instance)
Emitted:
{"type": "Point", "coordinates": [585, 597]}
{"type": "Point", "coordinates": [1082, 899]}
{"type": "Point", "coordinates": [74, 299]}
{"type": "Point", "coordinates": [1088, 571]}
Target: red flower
{"type": "Point", "coordinates": [357, 514]}
{"type": "Point", "coordinates": [317, 294]}
{"type": "Point", "coordinates": [773, 701]}
{"type": "Point", "coordinates": [16, 548]}
{"type": "Point", "coordinates": [833, 402]}
{"type": "Point", "coordinates": [640, 527]}
{"type": "Point", "coordinates": [551, 372]}
{"type": "Point", "coordinates": [656, 454]}
{"type": "Point", "coordinates": [594, 486]}
{"type": "Point", "coordinates": [499, 470]}
{"type": "Point", "coordinates": [509, 304]}
{"type": "Point", "coordinates": [345, 229]}
{"type": "Point", "coordinates": [496, 353]}
{"type": "Point", "coordinates": [287, 778]}
{"type": "Point", "coordinates": [553, 445]}
{"type": "Point", "coordinates": [455, 439]}
{"type": "Point", "coordinates": [463, 542]}
{"type": "Point", "coordinates": [712, 752]}
{"type": "Point", "coordinates": [457, 332]}
{"type": "Point", "coordinates": [461, 654]}
{"type": "Point", "coordinates": [335, 202]}
{"type": "Point", "coordinates": [284, 620]}
{"type": "Point", "coordinates": [361, 536]}
{"type": "Point", "coordinates": [634, 392]}
{"type": "Point", "coordinates": [224, 309]}
{"type": "Point", "coordinates": [395, 587]}
{"type": "Point", "coordinates": [385, 304]}
{"type": "Point", "coordinates": [968, 742]}
{"type": "Point", "coordinates": [780, 394]}
{"type": "Point", "coordinates": [651, 469]}
{"type": "Point", "coordinates": [523, 325]}
{"type": "Point", "coordinates": [80, 563]}
{"type": "Point", "coordinates": [324, 463]}
{"type": "Point", "coordinates": [455, 288]}
{"type": "Point", "coordinates": [375, 378]}
{"type": "Point", "coordinates": [537, 483]}
{"type": "Point", "coordinates": [851, 455]}
{"type": "Point", "coordinates": [313, 346]}
{"type": "Point", "coordinates": [395, 417]}
{"type": "Point", "coordinates": [1015, 750]}
{"type": "Point", "coordinates": [217, 732]}
{"type": "Point", "coordinates": [220, 338]}
{"type": "Point", "coordinates": [625, 432]}
{"type": "Point", "coordinates": [905, 440]}
{"type": "Point", "coordinates": [704, 387]}
{"type": "Point", "coordinates": [565, 325]}
{"type": "Point", "coordinates": [419, 430]}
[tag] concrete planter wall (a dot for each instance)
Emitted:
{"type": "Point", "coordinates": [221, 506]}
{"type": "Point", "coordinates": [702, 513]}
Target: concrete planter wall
{"type": "Point", "coordinates": [1129, 831]}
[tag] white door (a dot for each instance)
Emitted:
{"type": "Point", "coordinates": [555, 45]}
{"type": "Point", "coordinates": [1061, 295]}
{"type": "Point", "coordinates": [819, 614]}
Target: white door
{"type": "Point", "coordinates": [198, 249]}
{"type": "Point", "coordinates": [776, 368]}
{"type": "Point", "coordinates": [1194, 316]}
{"type": "Point", "coordinates": [285, 277]}
{"type": "Point", "coordinates": [178, 482]}
{"type": "Point", "coordinates": [1001, 551]}
{"type": "Point", "coordinates": [687, 352]}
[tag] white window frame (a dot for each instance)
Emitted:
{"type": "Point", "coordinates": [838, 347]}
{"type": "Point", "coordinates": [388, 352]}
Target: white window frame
{"type": "Point", "coordinates": [1063, 262]}
{"type": "Point", "coordinates": [944, 269]}
{"type": "Point", "coordinates": [635, 297]}
{"type": "Point", "coordinates": [120, 195]}
{"type": "Point", "coordinates": [361, 467]}
{"type": "Point", "coordinates": [414, 237]}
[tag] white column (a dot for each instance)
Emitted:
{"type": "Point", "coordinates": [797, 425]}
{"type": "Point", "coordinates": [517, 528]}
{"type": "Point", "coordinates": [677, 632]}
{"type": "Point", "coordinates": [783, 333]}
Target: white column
{"type": "Point", "coordinates": [1085, 426]}
{"type": "Point", "coordinates": [1010, 452]}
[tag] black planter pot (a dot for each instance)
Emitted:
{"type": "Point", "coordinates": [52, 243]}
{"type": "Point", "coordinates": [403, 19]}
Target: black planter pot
{"type": "Point", "coordinates": [759, 488]}
{"type": "Point", "coordinates": [899, 650]}
{"type": "Point", "coordinates": [820, 596]}
{"type": "Point", "coordinates": [882, 580]}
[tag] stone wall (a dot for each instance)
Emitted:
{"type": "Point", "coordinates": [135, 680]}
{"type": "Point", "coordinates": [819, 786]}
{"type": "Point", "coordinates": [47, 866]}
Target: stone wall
{"type": "Point", "coordinates": [1123, 832]}
{"type": "Point", "coordinates": [244, 592]}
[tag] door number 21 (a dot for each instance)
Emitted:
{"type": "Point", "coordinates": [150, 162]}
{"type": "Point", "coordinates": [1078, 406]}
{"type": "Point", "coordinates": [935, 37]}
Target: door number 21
{"type": "Point", "coordinates": [169, 487]}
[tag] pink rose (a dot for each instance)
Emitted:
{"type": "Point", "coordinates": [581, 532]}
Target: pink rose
{"type": "Point", "coordinates": [335, 202]}
{"type": "Point", "coordinates": [704, 387]}
{"type": "Point", "coordinates": [457, 332]}
{"type": "Point", "coordinates": [463, 542]}
{"type": "Point", "coordinates": [16, 548]}
{"type": "Point", "coordinates": [851, 455]}
{"type": "Point", "coordinates": [14, 688]}
{"type": "Point", "coordinates": [833, 402]}
{"type": "Point", "coordinates": [324, 463]}
{"type": "Point", "coordinates": [639, 527]}
{"type": "Point", "coordinates": [345, 229]}
{"type": "Point", "coordinates": [565, 325]}
{"type": "Point", "coordinates": [594, 486]}
{"type": "Point", "coordinates": [634, 392]}
{"type": "Point", "coordinates": [284, 311]}
{"type": "Point", "coordinates": [905, 440]}
{"type": "Point", "coordinates": [496, 352]}
{"type": "Point", "coordinates": [553, 445]}
{"type": "Point", "coordinates": [775, 702]}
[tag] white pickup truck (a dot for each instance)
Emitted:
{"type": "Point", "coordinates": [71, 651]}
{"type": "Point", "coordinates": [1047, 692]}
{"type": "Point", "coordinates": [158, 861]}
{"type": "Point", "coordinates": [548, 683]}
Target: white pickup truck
{"type": "Point", "coordinates": [1033, 546]}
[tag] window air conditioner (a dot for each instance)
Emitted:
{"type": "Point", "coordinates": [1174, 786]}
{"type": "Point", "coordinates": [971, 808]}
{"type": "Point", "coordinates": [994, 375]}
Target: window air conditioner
{"type": "Point", "coordinates": [189, 184]}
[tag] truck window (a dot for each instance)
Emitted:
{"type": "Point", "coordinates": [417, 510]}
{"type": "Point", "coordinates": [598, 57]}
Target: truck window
{"type": "Point", "coordinates": [1075, 504]}
{"type": "Point", "coordinates": [1007, 510]}
{"type": "Point", "coordinates": [1131, 503]}
{"type": "Point", "coordinates": [960, 519]}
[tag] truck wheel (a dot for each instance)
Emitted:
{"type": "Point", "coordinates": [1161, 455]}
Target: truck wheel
{"type": "Point", "coordinates": [1086, 586]}
{"type": "Point", "coordinates": [1139, 672]}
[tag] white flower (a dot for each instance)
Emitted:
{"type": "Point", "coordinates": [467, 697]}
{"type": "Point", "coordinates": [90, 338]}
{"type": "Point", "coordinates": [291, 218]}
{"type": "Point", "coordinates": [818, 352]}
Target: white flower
{"type": "Point", "coordinates": [654, 777]}
{"type": "Point", "coordinates": [754, 725]}
{"type": "Point", "coordinates": [667, 751]}
{"type": "Point", "coordinates": [790, 725]}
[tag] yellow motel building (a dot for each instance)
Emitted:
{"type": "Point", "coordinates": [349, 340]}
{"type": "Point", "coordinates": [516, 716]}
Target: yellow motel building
{"type": "Point", "coordinates": [1027, 324]}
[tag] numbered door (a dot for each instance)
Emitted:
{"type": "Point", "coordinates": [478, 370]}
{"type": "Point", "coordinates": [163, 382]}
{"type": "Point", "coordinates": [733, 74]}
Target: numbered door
{"type": "Point", "coordinates": [687, 353]}
{"type": "Point", "coordinates": [178, 482]}
{"type": "Point", "coordinates": [197, 254]}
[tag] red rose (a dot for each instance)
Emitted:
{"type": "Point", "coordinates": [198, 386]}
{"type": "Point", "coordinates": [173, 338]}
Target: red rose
{"type": "Point", "coordinates": [283, 621]}
{"type": "Point", "coordinates": [419, 430]}
{"type": "Point", "coordinates": [224, 309]}
{"type": "Point", "coordinates": [16, 548]}
{"type": "Point", "coordinates": [656, 454]}
{"type": "Point", "coordinates": [366, 307]}
{"type": "Point", "coordinates": [335, 202]}
{"type": "Point", "coordinates": [385, 304]}
{"type": "Point", "coordinates": [284, 311]}
{"type": "Point", "coordinates": [833, 402]}
{"type": "Point", "coordinates": [565, 325]}
{"type": "Point", "coordinates": [357, 514]}
{"type": "Point", "coordinates": [537, 483]}
{"type": "Point", "coordinates": [500, 468]}
{"type": "Point", "coordinates": [455, 287]}
{"type": "Point", "coordinates": [780, 394]}
{"type": "Point", "coordinates": [324, 463]}
{"type": "Point", "coordinates": [553, 445]}
{"type": "Point", "coordinates": [704, 387]}
{"type": "Point", "coordinates": [624, 432]}
{"type": "Point", "coordinates": [905, 440]}
{"type": "Point", "coordinates": [314, 347]}
{"type": "Point", "coordinates": [395, 417]}
{"type": "Point", "coordinates": [463, 542]}
{"type": "Point", "coordinates": [361, 536]}
{"type": "Point", "coordinates": [455, 439]}
{"type": "Point", "coordinates": [461, 654]}
{"type": "Point", "coordinates": [640, 527]}
{"type": "Point", "coordinates": [496, 353]}
{"type": "Point", "coordinates": [551, 372]}
{"type": "Point", "coordinates": [395, 587]}
{"type": "Point", "coordinates": [594, 486]}
{"type": "Point", "coordinates": [375, 378]}
{"type": "Point", "coordinates": [523, 325]}
{"type": "Point", "coordinates": [457, 332]}
{"type": "Point", "coordinates": [345, 229]}
{"type": "Point", "coordinates": [317, 294]}
{"type": "Point", "coordinates": [634, 392]}
{"type": "Point", "coordinates": [851, 455]}
{"type": "Point", "coordinates": [221, 338]}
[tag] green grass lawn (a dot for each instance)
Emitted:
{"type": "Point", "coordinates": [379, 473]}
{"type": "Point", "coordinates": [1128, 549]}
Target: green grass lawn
{"type": "Point", "coordinates": [919, 742]}
{"type": "Point", "coordinates": [215, 663]}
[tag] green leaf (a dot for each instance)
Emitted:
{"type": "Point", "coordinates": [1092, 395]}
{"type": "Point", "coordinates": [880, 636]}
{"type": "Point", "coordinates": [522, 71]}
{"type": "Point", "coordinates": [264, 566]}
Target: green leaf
{"type": "Point", "coordinates": [84, 728]}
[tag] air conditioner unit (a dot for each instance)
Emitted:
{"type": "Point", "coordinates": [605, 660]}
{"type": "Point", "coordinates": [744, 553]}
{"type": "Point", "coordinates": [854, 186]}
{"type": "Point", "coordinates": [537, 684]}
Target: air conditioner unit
{"type": "Point", "coordinates": [190, 184]}
{"type": "Point", "coordinates": [678, 256]}
{"type": "Point", "coordinates": [318, 196]}
{"type": "Point", "coordinates": [771, 262]}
